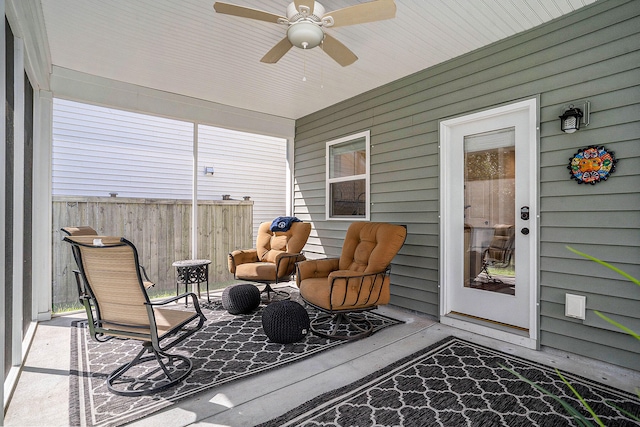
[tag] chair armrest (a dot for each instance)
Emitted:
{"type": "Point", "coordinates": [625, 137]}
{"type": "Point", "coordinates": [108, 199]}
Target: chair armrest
{"type": "Point", "coordinates": [242, 256]}
{"type": "Point", "coordinates": [348, 274]}
{"type": "Point", "coordinates": [82, 294]}
{"type": "Point", "coordinates": [357, 289]}
{"type": "Point", "coordinates": [194, 299]}
{"type": "Point", "coordinates": [145, 278]}
{"type": "Point", "coordinates": [286, 263]}
{"type": "Point", "coordinates": [86, 301]}
{"type": "Point", "coordinates": [193, 296]}
{"type": "Point", "coordinates": [314, 268]}
{"type": "Point", "coordinates": [178, 332]}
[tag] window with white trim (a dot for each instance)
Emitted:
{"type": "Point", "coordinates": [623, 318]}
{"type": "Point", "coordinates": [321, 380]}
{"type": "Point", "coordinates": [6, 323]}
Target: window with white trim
{"type": "Point", "coordinates": [347, 175]}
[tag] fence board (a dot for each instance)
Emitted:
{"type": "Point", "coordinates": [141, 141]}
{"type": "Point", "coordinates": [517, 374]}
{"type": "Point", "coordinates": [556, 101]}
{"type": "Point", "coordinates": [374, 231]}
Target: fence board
{"type": "Point", "coordinates": [160, 229]}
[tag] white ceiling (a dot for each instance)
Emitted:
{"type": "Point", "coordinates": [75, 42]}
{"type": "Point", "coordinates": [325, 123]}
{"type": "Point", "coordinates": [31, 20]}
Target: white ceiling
{"type": "Point", "coordinates": [185, 47]}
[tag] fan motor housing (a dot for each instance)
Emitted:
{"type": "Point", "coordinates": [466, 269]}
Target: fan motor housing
{"type": "Point", "coordinates": [315, 15]}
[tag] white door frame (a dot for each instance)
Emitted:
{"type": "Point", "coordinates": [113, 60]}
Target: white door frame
{"type": "Point", "coordinates": [530, 340]}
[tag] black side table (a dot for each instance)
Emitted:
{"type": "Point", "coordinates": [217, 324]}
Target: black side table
{"type": "Point", "coordinates": [192, 272]}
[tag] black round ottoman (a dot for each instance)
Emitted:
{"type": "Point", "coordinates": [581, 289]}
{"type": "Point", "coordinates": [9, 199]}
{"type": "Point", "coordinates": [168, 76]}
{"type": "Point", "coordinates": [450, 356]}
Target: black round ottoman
{"type": "Point", "coordinates": [241, 299]}
{"type": "Point", "coordinates": [285, 322]}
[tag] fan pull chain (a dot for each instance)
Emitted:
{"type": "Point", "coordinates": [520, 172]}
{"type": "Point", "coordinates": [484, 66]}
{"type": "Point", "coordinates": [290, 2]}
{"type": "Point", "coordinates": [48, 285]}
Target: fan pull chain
{"type": "Point", "coordinates": [322, 67]}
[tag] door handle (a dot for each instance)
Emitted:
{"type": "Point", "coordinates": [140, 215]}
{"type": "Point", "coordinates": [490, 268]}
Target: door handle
{"type": "Point", "coordinates": [525, 231]}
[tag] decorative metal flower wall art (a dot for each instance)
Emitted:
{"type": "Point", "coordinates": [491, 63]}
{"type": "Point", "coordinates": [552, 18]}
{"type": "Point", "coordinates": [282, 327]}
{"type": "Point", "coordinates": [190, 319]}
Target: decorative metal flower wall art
{"type": "Point", "coordinates": [592, 165]}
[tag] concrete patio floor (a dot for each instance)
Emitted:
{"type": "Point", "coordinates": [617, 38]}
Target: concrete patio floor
{"type": "Point", "coordinates": [41, 397]}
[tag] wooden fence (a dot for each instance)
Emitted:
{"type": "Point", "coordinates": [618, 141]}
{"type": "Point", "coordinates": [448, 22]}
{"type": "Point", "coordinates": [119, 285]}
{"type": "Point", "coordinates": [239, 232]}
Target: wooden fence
{"type": "Point", "coordinates": [160, 230]}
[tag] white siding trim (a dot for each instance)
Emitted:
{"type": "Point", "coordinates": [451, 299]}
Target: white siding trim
{"type": "Point", "coordinates": [3, 183]}
{"type": "Point", "coordinates": [194, 195]}
{"type": "Point", "coordinates": [18, 200]}
{"type": "Point", "coordinates": [42, 202]}
{"type": "Point", "coordinates": [74, 85]}
{"type": "Point", "coordinates": [290, 175]}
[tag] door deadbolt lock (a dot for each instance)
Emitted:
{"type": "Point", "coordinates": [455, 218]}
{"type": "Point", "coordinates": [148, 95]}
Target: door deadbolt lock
{"type": "Point", "coordinates": [524, 213]}
{"type": "Point", "coordinates": [525, 231]}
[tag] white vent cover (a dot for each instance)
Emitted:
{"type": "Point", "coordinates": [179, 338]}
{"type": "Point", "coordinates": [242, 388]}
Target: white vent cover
{"type": "Point", "coordinates": [575, 306]}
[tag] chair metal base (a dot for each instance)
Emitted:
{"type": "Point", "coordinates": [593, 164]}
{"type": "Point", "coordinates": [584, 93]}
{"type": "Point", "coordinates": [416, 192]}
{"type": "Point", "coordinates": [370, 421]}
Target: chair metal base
{"type": "Point", "coordinates": [490, 279]}
{"type": "Point", "coordinates": [342, 326]}
{"type": "Point", "coordinates": [165, 375]}
{"type": "Point", "coordinates": [278, 295]}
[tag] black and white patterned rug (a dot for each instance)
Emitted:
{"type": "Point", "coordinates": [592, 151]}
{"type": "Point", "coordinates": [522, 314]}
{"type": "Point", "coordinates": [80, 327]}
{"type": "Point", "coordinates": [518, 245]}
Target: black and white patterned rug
{"type": "Point", "coordinates": [226, 349]}
{"type": "Point", "coordinates": [458, 383]}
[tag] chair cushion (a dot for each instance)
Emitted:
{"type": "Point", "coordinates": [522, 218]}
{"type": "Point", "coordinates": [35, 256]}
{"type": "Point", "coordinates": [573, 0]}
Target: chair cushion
{"type": "Point", "coordinates": [345, 294]}
{"type": "Point", "coordinates": [272, 255]}
{"type": "Point", "coordinates": [259, 264]}
{"type": "Point", "coordinates": [315, 291]}
{"type": "Point", "coordinates": [257, 271]}
{"type": "Point", "coordinates": [316, 268]}
{"type": "Point", "coordinates": [369, 247]}
{"type": "Point", "coordinates": [292, 240]}
{"type": "Point", "coordinates": [166, 321]}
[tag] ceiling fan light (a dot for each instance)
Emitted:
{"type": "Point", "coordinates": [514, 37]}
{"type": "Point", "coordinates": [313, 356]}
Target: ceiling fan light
{"type": "Point", "coordinates": [305, 34]}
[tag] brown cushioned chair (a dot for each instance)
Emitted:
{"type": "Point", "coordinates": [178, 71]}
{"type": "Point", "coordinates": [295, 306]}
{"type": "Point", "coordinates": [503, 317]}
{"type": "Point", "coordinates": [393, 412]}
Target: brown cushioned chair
{"type": "Point", "coordinates": [358, 281]}
{"type": "Point", "coordinates": [85, 230]}
{"type": "Point", "coordinates": [273, 258]}
{"type": "Point", "coordinates": [500, 250]}
{"type": "Point", "coordinates": [117, 305]}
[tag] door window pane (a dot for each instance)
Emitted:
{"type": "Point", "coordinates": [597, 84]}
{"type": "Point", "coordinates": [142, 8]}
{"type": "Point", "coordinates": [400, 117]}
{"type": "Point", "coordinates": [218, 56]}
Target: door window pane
{"type": "Point", "coordinates": [489, 211]}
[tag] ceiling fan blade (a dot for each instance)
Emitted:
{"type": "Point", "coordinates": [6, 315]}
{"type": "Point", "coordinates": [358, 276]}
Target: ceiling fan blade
{"type": "Point", "coordinates": [277, 51]}
{"type": "Point", "coordinates": [364, 12]}
{"type": "Point", "coordinates": [246, 12]}
{"type": "Point", "coordinates": [339, 52]}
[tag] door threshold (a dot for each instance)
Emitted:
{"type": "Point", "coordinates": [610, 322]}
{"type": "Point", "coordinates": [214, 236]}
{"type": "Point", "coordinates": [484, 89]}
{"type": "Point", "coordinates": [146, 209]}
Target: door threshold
{"type": "Point", "coordinates": [505, 327]}
{"type": "Point", "coordinates": [502, 332]}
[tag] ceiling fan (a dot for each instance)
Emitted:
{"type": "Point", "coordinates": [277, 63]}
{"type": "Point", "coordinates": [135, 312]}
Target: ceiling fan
{"type": "Point", "coordinates": [306, 20]}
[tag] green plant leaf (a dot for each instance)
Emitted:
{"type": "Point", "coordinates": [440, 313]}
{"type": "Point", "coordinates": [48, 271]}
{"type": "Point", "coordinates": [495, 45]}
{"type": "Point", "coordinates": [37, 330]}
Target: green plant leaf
{"type": "Point", "coordinates": [581, 419]}
{"type": "Point", "coordinates": [606, 264]}
{"type": "Point", "coordinates": [584, 402]}
{"type": "Point", "coordinates": [619, 325]}
{"type": "Point", "coordinates": [627, 413]}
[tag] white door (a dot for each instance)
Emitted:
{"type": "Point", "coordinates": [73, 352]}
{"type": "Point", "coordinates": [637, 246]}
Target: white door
{"type": "Point", "coordinates": [488, 221]}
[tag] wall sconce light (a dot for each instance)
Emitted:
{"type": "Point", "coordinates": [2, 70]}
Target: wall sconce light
{"type": "Point", "coordinates": [573, 117]}
{"type": "Point", "coordinates": [208, 170]}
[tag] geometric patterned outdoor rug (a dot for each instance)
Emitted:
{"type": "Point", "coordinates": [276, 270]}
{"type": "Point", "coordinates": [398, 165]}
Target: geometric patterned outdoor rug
{"type": "Point", "coordinates": [458, 383]}
{"type": "Point", "coordinates": [227, 348]}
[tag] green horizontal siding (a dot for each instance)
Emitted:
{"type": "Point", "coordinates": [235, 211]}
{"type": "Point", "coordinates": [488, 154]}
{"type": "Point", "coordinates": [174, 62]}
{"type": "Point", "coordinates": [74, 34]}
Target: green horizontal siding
{"type": "Point", "coordinates": [593, 54]}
